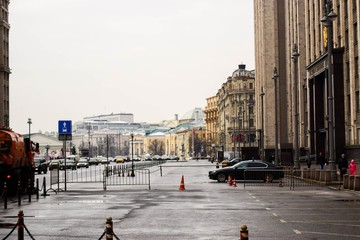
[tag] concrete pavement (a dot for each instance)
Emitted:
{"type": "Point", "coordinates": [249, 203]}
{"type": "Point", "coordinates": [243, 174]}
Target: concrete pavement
{"type": "Point", "coordinates": [204, 210]}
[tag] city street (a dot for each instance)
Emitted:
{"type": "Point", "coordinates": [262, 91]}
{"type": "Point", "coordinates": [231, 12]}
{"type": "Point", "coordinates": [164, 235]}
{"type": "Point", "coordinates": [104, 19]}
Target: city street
{"type": "Point", "coordinates": [206, 209]}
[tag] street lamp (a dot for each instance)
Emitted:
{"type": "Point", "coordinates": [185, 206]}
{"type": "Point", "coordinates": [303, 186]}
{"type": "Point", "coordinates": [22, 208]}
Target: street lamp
{"type": "Point", "coordinates": [132, 155]}
{"type": "Point", "coordinates": [295, 56]}
{"type": "Point", "coordinates": [275, 77]}
{"type": "Point", "coordinates": [327, 21]}
{"type": "Point", "coordinates": [47, 147]}
{"type": "Point", "coordinates": [29, 122]}
{"type": "Point", "coordinates": [262, 154]}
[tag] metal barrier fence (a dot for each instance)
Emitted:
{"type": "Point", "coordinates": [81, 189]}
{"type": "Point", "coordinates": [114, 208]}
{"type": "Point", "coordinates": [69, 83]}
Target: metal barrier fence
{"type": "Point", "coordinates": [289, 177]}
{"type": "Point", "coordinates": [119, 177]}
{"type": "Point", "coordinates": [108, 174]}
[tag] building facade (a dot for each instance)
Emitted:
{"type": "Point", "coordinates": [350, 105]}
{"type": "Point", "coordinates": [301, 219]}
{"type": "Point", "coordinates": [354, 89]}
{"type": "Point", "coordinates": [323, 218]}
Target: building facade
{"type": "Point", "coordinates": [237, 112]}
{"type": "Point", "coordinates": [279, 27]}
{"type": "Point", "coordinates": [212, 126]}
{"type": "Point", "coordinates": [4, 64]}
{"type": "Point", "coordinates": [316, 56]}
{"type": "Point", "coordinates": [341, 70]}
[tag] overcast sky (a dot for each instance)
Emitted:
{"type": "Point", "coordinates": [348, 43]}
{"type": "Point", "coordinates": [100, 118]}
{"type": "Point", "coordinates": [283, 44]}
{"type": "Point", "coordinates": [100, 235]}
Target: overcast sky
{"type": "Point", "coordinates": [154, 58]}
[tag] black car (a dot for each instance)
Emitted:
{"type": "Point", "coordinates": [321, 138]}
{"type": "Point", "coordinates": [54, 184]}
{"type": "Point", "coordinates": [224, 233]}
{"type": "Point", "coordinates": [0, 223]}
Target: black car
{"type": "Point", "coordinates": [248, 170]}
{"type": "Point", "coordinates": [40, 165]}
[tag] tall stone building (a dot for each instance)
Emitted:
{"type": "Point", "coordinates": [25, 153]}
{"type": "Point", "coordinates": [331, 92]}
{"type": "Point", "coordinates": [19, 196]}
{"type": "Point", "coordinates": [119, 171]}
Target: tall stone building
{"type": "Point", "coordinates": [277, 31]}
{"type": "Point", "coordinates": [308, 108]}
{"type": "Point", "coordinates": [4, 64]}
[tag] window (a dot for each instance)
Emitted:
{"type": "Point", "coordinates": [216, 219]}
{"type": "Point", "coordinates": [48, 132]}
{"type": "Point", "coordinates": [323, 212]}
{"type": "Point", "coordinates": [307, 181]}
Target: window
{"type": "Point", "coordinates": [357, 103]}
{"type": "Point", "coordinates": [251, 122]}
{"type": "Point", "coordinates": [256, 165]}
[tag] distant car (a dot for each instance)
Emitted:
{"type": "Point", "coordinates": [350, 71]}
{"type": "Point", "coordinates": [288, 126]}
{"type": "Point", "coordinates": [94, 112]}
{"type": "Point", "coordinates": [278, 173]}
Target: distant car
{"type": "Point", "coordinates": [174, 157]}
{"type": "Point", "coordinates": [157, 157]}
{"type": "Point", "coordinates": [104, 160]}
{"type": "Point", "coordinates": [40, 165]}
{"type": "Point", "coordinates": [119, 159]}
{"type": "Point", "coordinates": [227, 163]}
{"type": "Point", "coordinates": [82, 163]}
{"type": "Point", "coordinates": [93, 161]}
{"type": "Point", "coordinates": [70, 164]}
{"type": "Point", "coordinates": [55, 164]}
{"type": "Point", "coordinates": [248, 170]}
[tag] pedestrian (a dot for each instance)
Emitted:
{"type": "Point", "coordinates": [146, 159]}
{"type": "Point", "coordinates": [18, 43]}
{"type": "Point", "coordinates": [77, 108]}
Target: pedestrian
{"type": "Point", "coordinates": [321, 160]}
{"type": "Point", "coordinates": [352, 167]}
{"type": "Point", "coordinates": [342, 165]}
{"type": "Point", "coordinates": [308, 161]}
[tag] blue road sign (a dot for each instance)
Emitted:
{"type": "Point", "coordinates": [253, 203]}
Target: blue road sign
{"type": "Point", "coordinates": [64, 127]}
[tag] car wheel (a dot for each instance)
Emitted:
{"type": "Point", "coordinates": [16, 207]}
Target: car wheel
{"type": "Point", "coordinates": [39, 171]}
{"type": "Point", "coordinates": [45, 171]}
{"type": "Point", "coordinates": [221, 177]}
{"type": "Point", "coordinates": [268, 177]}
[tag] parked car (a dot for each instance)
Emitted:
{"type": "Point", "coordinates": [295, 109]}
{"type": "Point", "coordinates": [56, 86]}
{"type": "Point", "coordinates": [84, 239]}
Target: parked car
{"type": "Point", "coordinates": [119, 159]}
{"type": "Point", "coordinates": [157, 157]}
{"type": "Point", "coordinates": [70, 164]}
{"type": "Point", "coordinates": [82, 163]}
{"type": "Point", "coordinates": [227, 163]}
{"type": "Point", "coordinates": [104, 160]}
{"type": "Point", "coordinates": [40, 165]}
{"type": "Point", "coordinates": [93, 161]}
{"type": "Point", "coordinates": [55, 164]}
{"type": "Point", "coordinates": [248, 170]}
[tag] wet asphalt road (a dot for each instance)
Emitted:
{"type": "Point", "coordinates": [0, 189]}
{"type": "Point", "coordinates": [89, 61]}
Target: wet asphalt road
{"type": "Point", "coordinates": [204, 210]}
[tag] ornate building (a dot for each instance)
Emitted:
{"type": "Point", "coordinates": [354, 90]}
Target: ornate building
{"type": "Point", "coordinates": [212, 126]}
{"type": "Point", "coordinates": [236, 112]}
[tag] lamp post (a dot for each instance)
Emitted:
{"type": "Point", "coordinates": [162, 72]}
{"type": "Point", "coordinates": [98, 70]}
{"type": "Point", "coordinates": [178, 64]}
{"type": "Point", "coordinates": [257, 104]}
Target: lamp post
{"type": "Point", "coordinates": [250, 104]}
{"type": "Point", "coordinates": [88, 128]}
{"type": "Point", "coordinates": [243, 126]}
{"type": "Point", "coordinates": [295, 56]}
{"type": "Point", "coordinates": [262, 154]}
{"type": "Point", "coordinates": [29, 122]}
{"type": "Point", "coordinates": [47, 147]}
{"type": "Point", "coordinates": [132, 155]}
{"type": "Point", "coordinates": [327, 20]}
{"type": "Point", "coordinates": [275, 77]}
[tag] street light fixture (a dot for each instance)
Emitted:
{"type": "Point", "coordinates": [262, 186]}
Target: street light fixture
{"type": "Point", "coordinates": [29, 122]}
{"type": "Point", "coordinates": [295, 56]}
{"type": "Point", "coordinates": [262, 153]}
{"type": "Point", "coordinates": [275, 77]}
{"type": "Point", "coordinates": [327, 21]}
{"type": "Point", "coordinates": [132, 155]}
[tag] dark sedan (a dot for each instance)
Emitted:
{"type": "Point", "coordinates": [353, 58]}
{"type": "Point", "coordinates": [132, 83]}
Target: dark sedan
{"type": "Point", "coordinates": [248, 170]}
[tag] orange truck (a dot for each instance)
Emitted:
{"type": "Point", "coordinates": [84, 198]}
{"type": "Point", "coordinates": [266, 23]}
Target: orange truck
{"type": "Point", "coordinates": [16, 161]}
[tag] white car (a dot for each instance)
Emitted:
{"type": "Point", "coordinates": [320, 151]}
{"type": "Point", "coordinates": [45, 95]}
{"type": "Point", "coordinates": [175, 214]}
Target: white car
{"type": "Point", "coordinates": [83, 162]}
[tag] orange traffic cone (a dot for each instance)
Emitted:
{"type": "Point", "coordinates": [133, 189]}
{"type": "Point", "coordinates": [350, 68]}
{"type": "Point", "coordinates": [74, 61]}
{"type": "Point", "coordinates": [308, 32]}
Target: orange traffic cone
{"type": "Point", "coordinates": [229, 180]}
{"type": "Point", "coordinates": [182, 185]}
{"type": "Point", "coordinates": [234, 182]}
